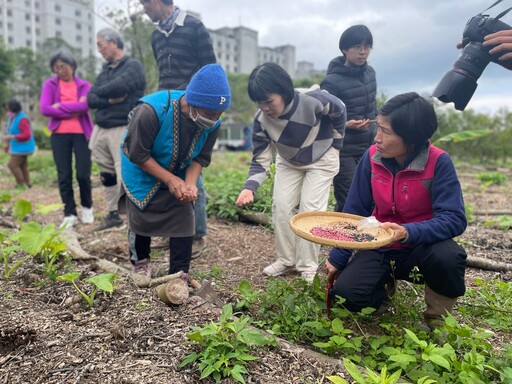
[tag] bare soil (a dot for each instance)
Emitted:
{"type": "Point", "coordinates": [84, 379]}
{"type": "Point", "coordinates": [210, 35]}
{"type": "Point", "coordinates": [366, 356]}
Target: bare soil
{"type": "Point", "coordinates": [46, 336]}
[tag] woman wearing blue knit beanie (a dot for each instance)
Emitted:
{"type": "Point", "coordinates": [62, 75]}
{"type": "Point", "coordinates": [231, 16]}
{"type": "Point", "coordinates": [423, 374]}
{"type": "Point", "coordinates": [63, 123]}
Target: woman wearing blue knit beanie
{"type": "Point", "coordinates": [169, 140]}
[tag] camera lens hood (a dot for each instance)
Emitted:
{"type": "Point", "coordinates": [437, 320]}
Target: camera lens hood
{"type": "Point", "coordinates": [457, 88]}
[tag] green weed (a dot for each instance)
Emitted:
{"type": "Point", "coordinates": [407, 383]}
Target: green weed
{"type": "Point", "coordinates": [33, 239]}
{"type": "Point", "coordinates": [492, 178]}
{"type": "Point", "coordinates": [490, 303]}
{"type": "Point", "coordinates": [454, 353]}
{"type": "Point", "coordinates": [103, 282]}
{"type": "Point", "coordinates": [503, 222]}
{"type": "Point", "coordinates": [225, 347]}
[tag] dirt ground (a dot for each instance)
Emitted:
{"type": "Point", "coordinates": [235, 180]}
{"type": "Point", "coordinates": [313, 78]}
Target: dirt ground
{"type": "Point", "coordinates": [132, 337]}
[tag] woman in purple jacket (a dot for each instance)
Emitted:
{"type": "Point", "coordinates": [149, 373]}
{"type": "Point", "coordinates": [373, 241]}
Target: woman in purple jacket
{"type": "Point", "coordinates": [64, 101]}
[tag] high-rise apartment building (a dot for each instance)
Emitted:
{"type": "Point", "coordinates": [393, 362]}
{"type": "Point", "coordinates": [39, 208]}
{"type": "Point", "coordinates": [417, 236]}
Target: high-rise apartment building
{"type": "Point", "coordinates": [237, 51]}
{"type": "Point", "coordinates": [28, 23]}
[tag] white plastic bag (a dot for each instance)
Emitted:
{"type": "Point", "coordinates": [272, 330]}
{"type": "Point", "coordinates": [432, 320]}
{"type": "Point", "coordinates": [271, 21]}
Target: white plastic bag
{"type": "Point", "coordinates": [368, 225]}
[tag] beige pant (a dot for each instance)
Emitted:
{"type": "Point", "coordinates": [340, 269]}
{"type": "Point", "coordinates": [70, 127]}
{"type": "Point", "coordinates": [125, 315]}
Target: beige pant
{"type": "Point", "coordinates": [105, 145]}
{"type": "Point", "coordinates": [306, 187]}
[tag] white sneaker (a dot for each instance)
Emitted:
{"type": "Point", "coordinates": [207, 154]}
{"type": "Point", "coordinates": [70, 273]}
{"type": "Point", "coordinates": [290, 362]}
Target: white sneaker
{"type": "Point", "coordinates": [308, 276]}
{"type": "Point", "coordinates": [277, 268]}
{"type": "Point", "coordinates": [87, 216]}
{"type": "Point", "coordinates": [69, 221]}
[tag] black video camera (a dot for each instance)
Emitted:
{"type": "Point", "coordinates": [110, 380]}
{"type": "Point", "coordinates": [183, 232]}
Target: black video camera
{"type": "Point", "coordinates": [459, 84]}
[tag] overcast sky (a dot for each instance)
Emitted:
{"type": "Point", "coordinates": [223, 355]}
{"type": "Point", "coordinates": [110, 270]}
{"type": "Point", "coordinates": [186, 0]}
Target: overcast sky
{"type": "Point", "coordinates": [414, 40]}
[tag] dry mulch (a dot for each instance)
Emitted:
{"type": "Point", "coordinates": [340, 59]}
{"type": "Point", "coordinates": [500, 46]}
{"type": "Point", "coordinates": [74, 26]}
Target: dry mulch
{"type": "Point", "coordinates": [46, 336]}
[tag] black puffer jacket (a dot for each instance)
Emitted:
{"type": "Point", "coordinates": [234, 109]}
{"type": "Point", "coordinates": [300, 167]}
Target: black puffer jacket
{"type": "Point", "coordinates": [357, 88]}
{"type": "Point", "coordinates": [126, 79]}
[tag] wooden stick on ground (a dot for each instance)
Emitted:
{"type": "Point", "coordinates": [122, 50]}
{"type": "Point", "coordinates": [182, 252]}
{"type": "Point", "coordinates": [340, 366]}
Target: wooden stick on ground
{"type": "Point", "coordinates": [139, 280]}
{"type": "Point", "coordinates": [488, 264]}
{"type": "Point", "coordinates": [74, 248]}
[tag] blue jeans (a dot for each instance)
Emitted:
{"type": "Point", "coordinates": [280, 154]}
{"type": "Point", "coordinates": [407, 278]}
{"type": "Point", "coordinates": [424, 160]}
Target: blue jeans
{"type": "Point", "coordinates": [200, 210]}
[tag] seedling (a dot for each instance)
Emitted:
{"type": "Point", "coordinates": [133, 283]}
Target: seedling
{"type": "Point", "coordinates": [5, 252]}
{"type": "Point", "coordinates": [21, 209]}
{"type": "Point", "coordinates": [225, 346]}
{"type": "Point", "coordinates": [41, 241]}
{"type": "Point", "coordinates": [104, 282]}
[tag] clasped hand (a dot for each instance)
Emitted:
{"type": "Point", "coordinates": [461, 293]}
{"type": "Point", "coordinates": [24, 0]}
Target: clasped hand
{"type": "Point", "coordinates": [181, 190]}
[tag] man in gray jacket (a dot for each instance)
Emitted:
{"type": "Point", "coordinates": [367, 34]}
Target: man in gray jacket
{"type": "Point", "coordinates": [117, 89]}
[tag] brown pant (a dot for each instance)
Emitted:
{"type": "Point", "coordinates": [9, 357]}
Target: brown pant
{"type": "Point", "coordinates": [18, 165]}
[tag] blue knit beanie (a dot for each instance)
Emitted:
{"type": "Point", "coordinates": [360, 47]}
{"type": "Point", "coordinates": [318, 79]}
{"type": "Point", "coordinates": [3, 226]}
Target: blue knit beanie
{"type": "Point", "coordinates": [209, 89]}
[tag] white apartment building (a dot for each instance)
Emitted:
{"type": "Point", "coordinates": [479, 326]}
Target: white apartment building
{"type": "Point", "coordinates": [237, 51]}
{"type": "Point", "coordinates": [28, 23]}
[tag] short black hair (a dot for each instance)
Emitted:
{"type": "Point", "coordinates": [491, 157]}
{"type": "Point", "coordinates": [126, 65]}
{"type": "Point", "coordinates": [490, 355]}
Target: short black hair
{"type": "Point", "coordinates": [13, 105]}
{"type": "Point", "coordinates": [355, 35]}
{"type": "Point", "coordinates": [412, 117]}
{"type": "Point", "coordinates": [168, 2]}
{"type": "Point", "coordinates": [270, 78]}
{"type": "Point", "coordinates": [65, 56]}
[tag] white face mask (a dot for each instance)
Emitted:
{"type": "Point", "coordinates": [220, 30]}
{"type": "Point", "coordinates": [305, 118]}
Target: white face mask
{"type": "Point", "coordinates": [201, 121]}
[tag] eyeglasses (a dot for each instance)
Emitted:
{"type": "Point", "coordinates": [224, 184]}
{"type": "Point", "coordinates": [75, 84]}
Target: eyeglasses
{"type": "Point", "coordinates": [61, 67]}
{"type": "Point", "coordinates": [361, 48]}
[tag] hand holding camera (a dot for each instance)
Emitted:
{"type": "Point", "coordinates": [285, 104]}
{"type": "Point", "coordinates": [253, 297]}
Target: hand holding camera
{"type": "Point", "coordinates": [502, 43]}
{"type": "Point", "coordinates": [479, 40]}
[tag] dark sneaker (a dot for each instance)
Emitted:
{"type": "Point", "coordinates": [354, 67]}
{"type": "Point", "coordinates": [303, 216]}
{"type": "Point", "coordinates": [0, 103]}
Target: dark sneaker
{"type": "Point", "coordinates": [198, 247]}
{"type": "Point", "coordinates": [111, 222]}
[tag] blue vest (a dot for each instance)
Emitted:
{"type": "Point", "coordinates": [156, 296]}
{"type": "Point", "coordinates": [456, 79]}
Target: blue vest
{"type": "Point", "coordinates": [20, 147]}
{"type": "Point", "coordinates": [139, 185]}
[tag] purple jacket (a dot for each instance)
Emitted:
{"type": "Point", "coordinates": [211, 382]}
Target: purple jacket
{"type": "Point", "coordinates": [51, 95]}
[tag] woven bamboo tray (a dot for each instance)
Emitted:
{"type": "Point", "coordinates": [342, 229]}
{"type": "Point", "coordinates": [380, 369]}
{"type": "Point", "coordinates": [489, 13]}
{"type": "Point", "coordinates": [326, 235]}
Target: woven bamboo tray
{"type": "Point", "coordinates": [302, 223]}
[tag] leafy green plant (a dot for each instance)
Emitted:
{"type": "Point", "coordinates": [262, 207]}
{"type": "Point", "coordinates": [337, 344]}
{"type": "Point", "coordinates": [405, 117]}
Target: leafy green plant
{"type": "Point", "coordinates": [103, 282]}
{"type": "Point", "coordinates": [466, 135]}
{"type": "Point", "coordinates": [33, 239]}
{"type": "Point", "coordinates": [503, 222]}
{"type": "Point", "coordinates": [4, 198]}
{"type": "Point", "coordinates": [370, 377]}
{"type": "Point", "coordinates": [490, 303]}
{"type": "Point", "coordinates": [248, 295]}
{"type": "Point", "coordinates": [215, 272]}
{"type": "Point", "coordinates": [452, 353]}
{"type": "Point", "coordinates": [470, 212]}
{"type": "Point", "coordinates": [223, 190]}
{"type": "Point", "coordinates": [6, 251]}
{"type": "Point", "coordinates": [21, 209]}
{"type": "Point", "coordinates": [341, 341]}
{"type": "Point", "coordinates": [41, 241]}
{"type": "Point", "coordinates": [492, 178]}
{"type": "Point", "coordinates": [225, 346]}
{"type": "Point", "coordinates": [293, 309]}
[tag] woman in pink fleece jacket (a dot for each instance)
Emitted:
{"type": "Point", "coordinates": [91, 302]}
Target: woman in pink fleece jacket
{"type": "Point", "coordinates": [64, 101]}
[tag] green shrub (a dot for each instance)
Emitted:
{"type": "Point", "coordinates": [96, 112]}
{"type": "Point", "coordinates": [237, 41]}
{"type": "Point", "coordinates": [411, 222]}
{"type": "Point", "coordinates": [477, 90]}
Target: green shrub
{"type": "Point", "coordinates": [42, 138]}
{"type": "Point", "coordinates": [492, 178]}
